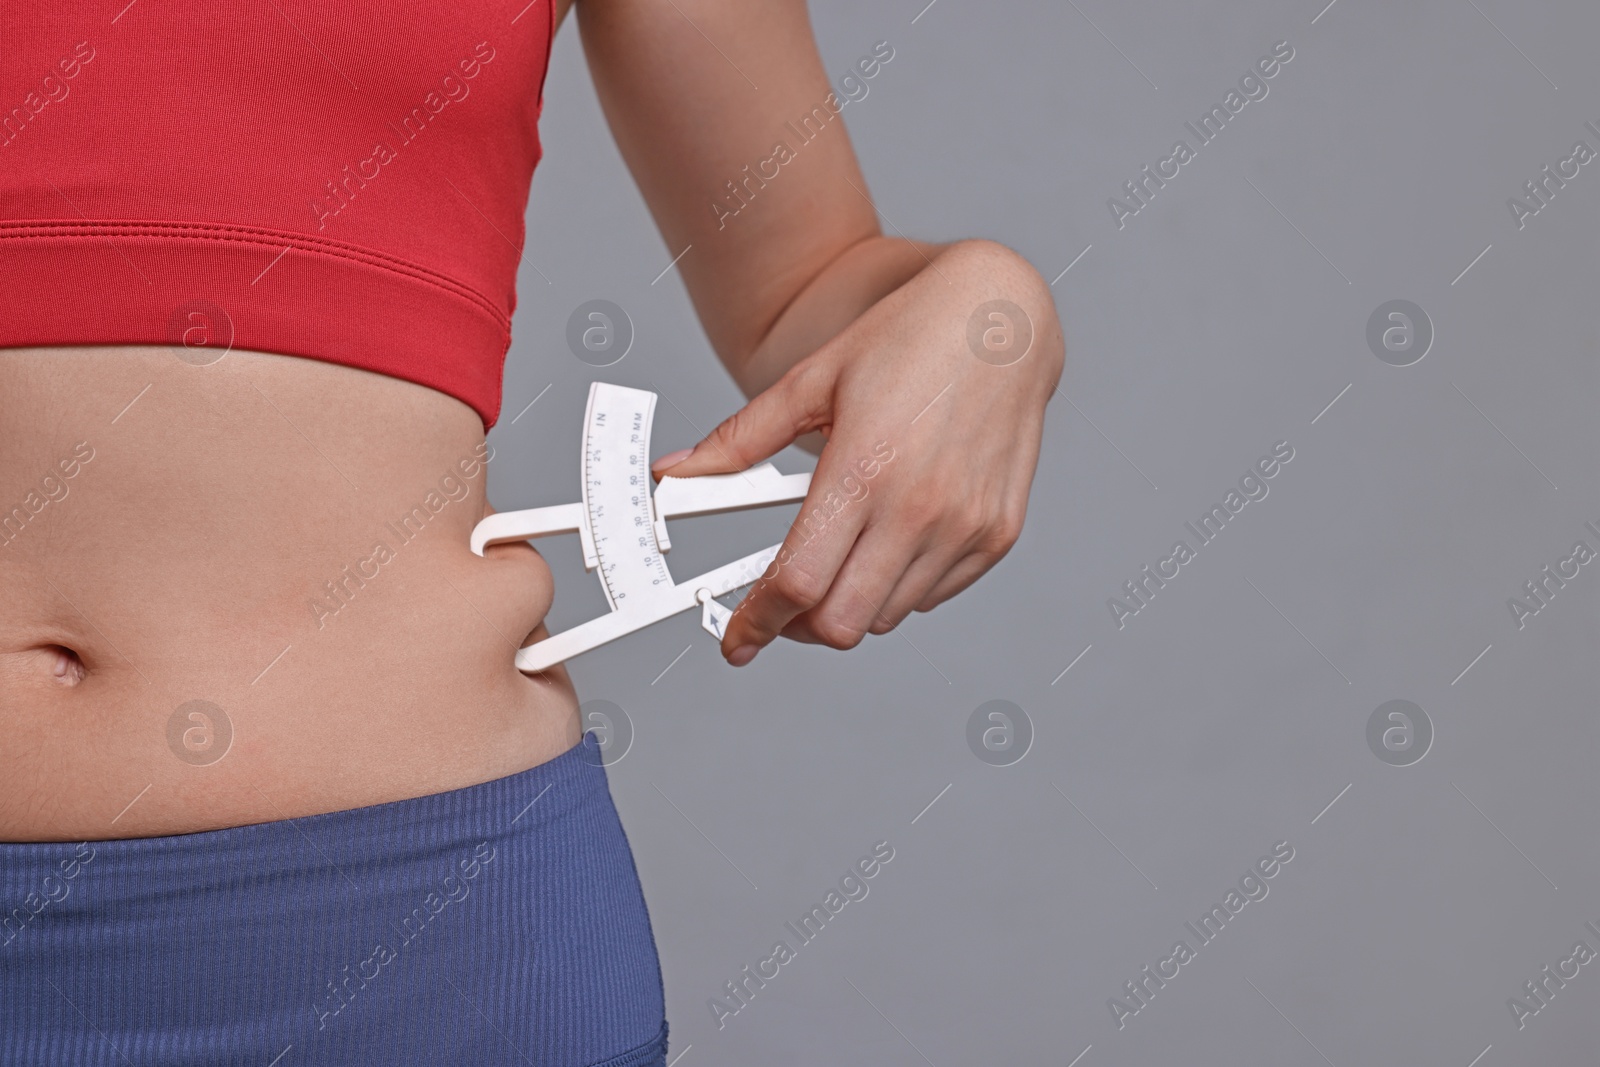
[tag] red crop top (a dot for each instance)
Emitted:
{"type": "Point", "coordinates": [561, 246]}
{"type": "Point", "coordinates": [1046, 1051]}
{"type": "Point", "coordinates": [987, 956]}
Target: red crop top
{"type": "Point", "coordinates": [344, 182]}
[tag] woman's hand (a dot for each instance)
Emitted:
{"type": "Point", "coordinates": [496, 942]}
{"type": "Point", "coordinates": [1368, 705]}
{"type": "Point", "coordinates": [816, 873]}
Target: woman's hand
{"type": "Point", "coordinates": [932, 403]}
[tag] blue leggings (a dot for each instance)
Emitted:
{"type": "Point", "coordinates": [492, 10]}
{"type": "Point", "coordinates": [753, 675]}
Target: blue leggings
{"type": "Point", "coordinates": [498, 924]}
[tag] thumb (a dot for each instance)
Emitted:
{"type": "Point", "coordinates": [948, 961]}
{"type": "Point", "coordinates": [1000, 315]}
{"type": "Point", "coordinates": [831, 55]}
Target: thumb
{"type": "Point", "coordinates": [796, 404]}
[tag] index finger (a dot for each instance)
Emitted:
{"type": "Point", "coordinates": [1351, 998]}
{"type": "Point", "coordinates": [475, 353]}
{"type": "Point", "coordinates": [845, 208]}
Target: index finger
{"type": "Point", "coordinates": [793, 405]}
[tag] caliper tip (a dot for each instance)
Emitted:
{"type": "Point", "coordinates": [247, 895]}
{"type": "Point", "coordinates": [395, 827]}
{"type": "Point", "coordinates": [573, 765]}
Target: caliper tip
{"type": "Point", "coordinates": [713, 616]}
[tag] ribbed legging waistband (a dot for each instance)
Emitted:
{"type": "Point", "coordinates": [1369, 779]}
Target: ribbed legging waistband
{"type": "Point", "coordinates": [502, 922]}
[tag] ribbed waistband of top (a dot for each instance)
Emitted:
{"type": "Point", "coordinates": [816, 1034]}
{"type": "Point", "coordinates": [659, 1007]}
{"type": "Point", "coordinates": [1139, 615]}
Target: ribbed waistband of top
{"type": "Point", "coordinates": [499, 923]}
{"type": "Point", "coordinates": [73, 282]}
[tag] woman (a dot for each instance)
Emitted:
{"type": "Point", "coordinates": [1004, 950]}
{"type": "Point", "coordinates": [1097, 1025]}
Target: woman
{"type": "Point", "coordinates": [272, 783]}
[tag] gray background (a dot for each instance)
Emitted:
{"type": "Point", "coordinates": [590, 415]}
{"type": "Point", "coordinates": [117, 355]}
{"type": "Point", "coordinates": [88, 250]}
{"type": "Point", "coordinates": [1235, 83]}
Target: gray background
{"type": "Point", "coordinates": [1224, 717]}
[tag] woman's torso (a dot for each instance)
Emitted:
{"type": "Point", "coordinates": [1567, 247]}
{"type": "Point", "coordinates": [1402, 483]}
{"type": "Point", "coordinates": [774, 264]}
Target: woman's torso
{"type": "Point", "coordinates": [282, 539]}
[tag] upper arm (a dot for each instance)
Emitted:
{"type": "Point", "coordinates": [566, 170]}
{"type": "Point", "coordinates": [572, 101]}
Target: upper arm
{"type": "Point", "coordinates": [704, 93]}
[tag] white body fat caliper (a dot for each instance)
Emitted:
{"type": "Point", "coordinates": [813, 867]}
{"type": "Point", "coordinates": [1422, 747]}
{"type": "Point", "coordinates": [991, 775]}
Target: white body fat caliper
{"type": "Point", "coordinates": [623, 527]}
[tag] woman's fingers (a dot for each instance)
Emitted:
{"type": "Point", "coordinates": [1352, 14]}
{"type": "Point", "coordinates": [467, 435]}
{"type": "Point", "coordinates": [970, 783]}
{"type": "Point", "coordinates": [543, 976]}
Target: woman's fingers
{"type": "Point", "coordinates": [806, 565]}
{"type": "Point", "coordinates": [914, 586]}
{"type": "Point", "coordinates": [816, 547]}
{"type": "Point", "coordinates": [982, 551]}
{"type": "Point", "coordinates": [966, 571]}
{"type": "Point", "coordinates": [849, 492]}
{"type": "Point", "coordinates": [827, 576]}
{"type": "Point", "coordinates": [952, 560]}
{"type": "Point", "coordinates": [855, 602]}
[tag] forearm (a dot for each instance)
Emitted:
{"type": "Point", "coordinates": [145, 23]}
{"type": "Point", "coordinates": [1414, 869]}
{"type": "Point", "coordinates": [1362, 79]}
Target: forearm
{"type": "Point", "coordinates": [840, 293]}
{"type": "Point", "coordinates": [870, 270]}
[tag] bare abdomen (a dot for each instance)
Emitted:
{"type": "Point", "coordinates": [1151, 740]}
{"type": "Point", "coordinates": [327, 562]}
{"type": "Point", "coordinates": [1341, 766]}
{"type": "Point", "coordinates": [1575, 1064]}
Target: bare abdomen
{"type": "Point", "coordinates": [242, 592]}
